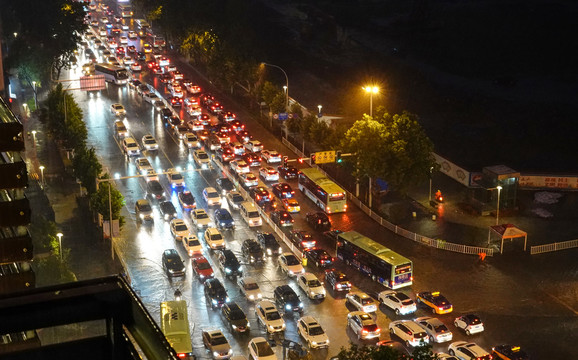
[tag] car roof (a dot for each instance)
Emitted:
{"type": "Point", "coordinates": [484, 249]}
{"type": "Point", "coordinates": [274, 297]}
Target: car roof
{"type": "Point", "coordinates": [308, 276]}
{"type": "Point", "coordinates": [309, 320]}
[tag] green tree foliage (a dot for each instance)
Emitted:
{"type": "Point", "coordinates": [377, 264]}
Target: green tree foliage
{"type": "Point", "coordinates": [99, 201]}
{"type": "Point", "coordinates": [43, 232]}
{"type": "Point", "coordinates": [269, 92]}
{"type": "Point", "coordinates": [64, 119]}
{"type": "Point", "coordinates": [87, 168]}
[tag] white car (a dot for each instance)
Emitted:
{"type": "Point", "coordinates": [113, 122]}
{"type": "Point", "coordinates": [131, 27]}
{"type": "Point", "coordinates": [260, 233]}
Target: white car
{"type": "Point", "coordinates": [123, 40]}
{"type": "Point", "coordinates": [312, 332]}
{"type": "Point", "coordinates": [151, 98]}
{"type": "Point", "coordinates": [211, 196]}
{"type": "Point", "coordinates": [290, 264]}
{"type": "Point", "coordinates": [409, 332]}
{"type": "Point", "coordinates": [311, 286]}
{"type": "Point", "coordinates": [217, 344]}
{"type": "Point", "coordinates": [249, 180]}
{"type": "Point", "coordinates": [259, 349]}
{"type": "Point", "coordinates": [363, 325]}
{"type": "Point", "coordinates": [118, 110]}
{"type": "Point", "coordinates": [149, 143]}
{"type": "Point", "coordinates": [132, 35]}
{"type": "Point", "coordinates": [177, 91]}
{"type": "Point", "coordinates": [196, 125]}
{"type": "Point", "coordinates": [196, 111]}
{"type": "Point", "coordinates": [191, 141]}
{"type": "Point", "coordinates": [250, 288]}
{"type": "Point", "coordinates": [145, 168]}
{"type": "Point", "coordinates": [235, 199]}
{"type": "Point", "coordinates": [361, 301]}
{"type": "Point", "coordinates": [214, 239]}
{"type": "Point", "coordinates": [179, 229]}
{"type": "Point", "coordinates": [240, 166]}
{"type": "Point", "coordinates": [254, 146]}
{"type": "Point", "coordinates": [269, 174]}
{"type": "Point", "coordinates": [175, 178]}
{"type": "Point", "coordinates": [438, 332]}
{"type": "Point", "coordinates": [201, 219]}
{"type": "Point", "coordinates": [192, 245]}
{"type": "Point", "coordinates": [268, 316]}
{"type": "Point", "coordinates": [191, 101]}
{"type": "Point", "coordinates": [130, 146]}
{"type": "Point", "coordinates": [127, 60]}
{"type": "Point", "coordinates": [398, 302]}
{"type": "Point", "coordinates": [468, 351]}
{"type": "Point", "coordinates": [271, 156]}
{"type": "Point", "coordinates": [202, 159]}
{"type": "Point", "coordinates": [470, 323]}
{"type": "Point", "coordinates": [444, 356]}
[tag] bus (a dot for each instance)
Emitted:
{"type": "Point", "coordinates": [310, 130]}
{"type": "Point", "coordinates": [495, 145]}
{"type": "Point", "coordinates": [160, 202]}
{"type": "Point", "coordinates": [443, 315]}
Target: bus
{"type": "Point", "coordinates": [175, 327]}
{"type": "Point", "coordinates": [374, 260]}
{"type": "Point", "coordinates": [324, 192]}
{"type": "Point", "coordinates": [125, 10]}
{"type": "Point", "coordinates": [144, 29]}
{"type": "Point", "coordinates": [113, 74]}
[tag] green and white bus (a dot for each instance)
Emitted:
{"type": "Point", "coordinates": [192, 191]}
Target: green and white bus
{"type": "Point", "coordinates": [175, 327]}
{"type": "Point", "coordinates": [326, 194]}
{"type": "Point", "coordinates": [374, 260]}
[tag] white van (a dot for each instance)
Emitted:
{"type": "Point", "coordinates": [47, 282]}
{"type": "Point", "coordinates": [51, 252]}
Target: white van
{"type": "Point", "coordinates": [250, 214]}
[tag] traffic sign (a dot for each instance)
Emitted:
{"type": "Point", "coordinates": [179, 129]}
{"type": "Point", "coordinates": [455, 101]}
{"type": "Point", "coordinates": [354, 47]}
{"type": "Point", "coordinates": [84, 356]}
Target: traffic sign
{"type": "Point", "coordinates": [324, 157]}
{"type": "Point", "coordinates": [283, 116]}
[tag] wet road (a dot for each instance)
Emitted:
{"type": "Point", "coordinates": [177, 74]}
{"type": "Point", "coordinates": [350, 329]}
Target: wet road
{"type": "Point", "coordinates": [527, 301]}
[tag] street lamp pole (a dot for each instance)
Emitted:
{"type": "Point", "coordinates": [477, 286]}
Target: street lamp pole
{"type": "Point", "coordinates": [430, 174]}
{"type": "Point", "coordinates": [371, 90]}
{"type": "Point", "coordinates": [35, 96]}
{"type": "Point", "coordinates": [286, 87]}
{"type": "Point", "coordinates": [498, 207]}
{"type": "Point", "coordinates": [41, 167]}
{"type": "Point", "coordinates": [60, 244]}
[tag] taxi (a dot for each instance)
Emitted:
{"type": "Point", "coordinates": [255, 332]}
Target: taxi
{"type": "Point", "coordinates": [291, 205]}
{"type": "Point", "coordinates": [436, 301]}
{"type": "Point", "coordinates": [508, 352]}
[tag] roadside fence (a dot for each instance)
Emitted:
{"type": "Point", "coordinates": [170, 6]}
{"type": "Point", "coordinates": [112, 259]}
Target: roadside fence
{"type": "Point", "coordinates": [540, 249]}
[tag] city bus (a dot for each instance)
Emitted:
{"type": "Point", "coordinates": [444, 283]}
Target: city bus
{"type": "Point", "coordinates": [175, 327]}
{"type": "Point", "coordinates": [323, 192]}
{"type": "Point", "coordinates": [125, 10]}
{"type": "Point", "coordinates": [374, 260]}
{"type": "Point", "coordinates": [113, 74]}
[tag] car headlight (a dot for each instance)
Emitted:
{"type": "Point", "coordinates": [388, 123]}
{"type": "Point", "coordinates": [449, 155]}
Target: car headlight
{"type": "Point", "coordinates": [259, 295]}
{"type": "Point", "coordinates": [227, 299]}
{"type": "Point", "coordinates": [280, 249]}
{"type": "Point", "coordinates": [211, 224]}
{"type": "Point", "coordinates": [141, 216]}
{"type": "Point", "coordinates": [171, 271]}
{"type": "Point", "coordinates": [202, 276]}
{"type": "Point", "coordinates": [288, 307]}
{"type": "Point", "coordinates": [269, 252]}
{"type": "Point", "coordinates": [232, 223]}
{"type": "Point", "coordinates": [234, 327]}
{"type": "Point", "coordinates": [222, 224]}
{"type": "Point", "coordinates": [300, 304]}
{"type": "Point", "coordinates": [216, 354]}
{"type": "Point", "coordinates": [314, 343]}
{"type": "Point", "coordinates": [230, 351]}
{"type": "Point", "coordinates": [252, 297]}
{"type": "Point", "coordinates": [283, 326]}
{"type": "Point", "coordinates": [227, 270]}
{"type": "Point", "coordinates": [291, 272]}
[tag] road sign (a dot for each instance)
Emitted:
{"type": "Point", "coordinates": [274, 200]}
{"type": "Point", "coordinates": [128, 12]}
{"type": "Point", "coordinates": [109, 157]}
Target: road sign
{"type": "Point", "coordinates": [283, 116]}
{"type": "Point", "coordinates": [92, 83]}
{"type": "Point", "coordinates": [324, 157]}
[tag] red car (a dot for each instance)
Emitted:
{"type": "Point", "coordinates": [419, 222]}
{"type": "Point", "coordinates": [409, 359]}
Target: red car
{"type": "Point", "coordinates": [201, 268]}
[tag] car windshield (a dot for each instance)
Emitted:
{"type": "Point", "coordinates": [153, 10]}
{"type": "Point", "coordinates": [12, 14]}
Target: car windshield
{"type": "Point", "coordinates": [313, 283]}
{"type": "Point", "coordinates": [150, 141]}
{"type": "Point", "coordinates": [194, 243]}
{"type": "Point", "coordinates": [251, 286]}
{"type": "Point", "coordinates": [181, 227]}
{"type": "Point", "coordinates": [176, 176]}
{"type": "Point", "coordinates": [440, 328]}
{"type": "Point", "coordinates": [366, 301]}
{"type": "Point", "coordinates": [253, 214]}
{"type": "Point", "coordinates": [316, 330]}
{"type": "Point", "coordinates": [218, 340]}
{"type": "Point", "coordinates": [420, 335]}
{"type": "Point", "coordinates": [203, 265]}
{"type": "Point", "coordinates": [237, 315]}
{"type": "Point", "coordinates": [224, 216]}
{"type": "Point", "coordinates": [237, 198]}
{"type": "Point", "coordinates": [203, 156]}
{"type": "Point", "coordinates": [215, 237]}
{"type": "Point", "coordinates": [213, 194]}
{"type": "Point", "coordinates": [370, 328]}
{"type": "Point", "coordinates": [292, 260]}
{"type": "Point", "coordinates": [270, 240]}
{"type": "Point", "coordinates": [274, 315]}
{"type": "Point", "coordinates": [146, 207]}
{"type": "Point", "coordinates": [202, 216]}
{"type": "Point", "coordinates": [264, 349]}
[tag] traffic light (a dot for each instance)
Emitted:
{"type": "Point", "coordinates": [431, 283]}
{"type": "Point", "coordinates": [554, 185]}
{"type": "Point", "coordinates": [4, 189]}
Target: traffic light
{"type": "Point", "coordinates": [301, 160]}
{"type": "Point", "coordinates": [285, 163]}
{"type": "Point", "coordinates": [312, 158]}
{"type": "Point", "coordinates": [338, 158]}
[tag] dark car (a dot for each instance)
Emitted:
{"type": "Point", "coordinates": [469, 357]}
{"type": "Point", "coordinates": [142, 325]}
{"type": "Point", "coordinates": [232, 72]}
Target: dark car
{"type": "Point", "coordinates": [229, 263]}
{"type": "Point", "coordinates": [252, 251]}
{"type": "Point", "coordinates": [141, 56]}
{"type": "Point", "coordinates": [269, 243]}
{"type": "Point", "coordinates": [166, 113]}
{"type": "Point", "coordinates": [319, 257]}
{"type": "Point", "coordinates": [175, 101]}
{"type": "Point", "coordinates": [332, 235]}
{"type": "Point", "coordinates": [260, 195]}
{"type": "Point", "coordinates": [215, 293]}
{"type": "Point", "coordinates": [287, 300]}
{"type": "Point", "coordinates": [283, 191]}
{"type": "Point", "coordinates": [236, 318]}
{"type": "Point", "coordinates": [168, 210]}
{"type": "Point", "coordinates": [282, 218]}
{"type": "Point", "coordinates": [155, 190]}
{"type": "Point", "coordinates": [225, 155]}
{"type": "Point", "coordinates": [509, 352]}
{"type": "Point", "coordinates": [172, 263]}
{"type": "Point", "coordinates": [173, 121]}
{"type": "Point", "coordinates": [244, 136]}
{"type": "Point", "coordinates": [302, 239]}
{"type": "Point", "coordinates": [337, 280]}
{"type": "Point", "coordinates": [224, 185]}
{"type": "Point", "coordinates": [318, 220]}
{"type": "Point", "coordinates": [288, 172]}
{"type": "Point", "coordinates": [252, 159]}
{"type": "Point", "coordinates": [187, 200]}
{"type": "Point", "coordinates": [224, 220]}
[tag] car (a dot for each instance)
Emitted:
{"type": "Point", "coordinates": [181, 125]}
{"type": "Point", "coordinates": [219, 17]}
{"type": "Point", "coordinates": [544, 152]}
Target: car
{"type": "Point", "coordinates": [117, 110]}
{"type": "Point", "coordinates": [177, 91]}
{"type": "Point", "coordinates": [191, 141]}
{"type": "Point", "coordinates": [291, 205]}
{"type": "Point", "coordinates": [239, 166]}
{"type": "Point", "coordinates": [180, 131]}
{"type": "Point", "coordinates": [134, 83]}
{"type": "Point", "coordinates": [202, 268]}
{"type": "Point", "coordinates": [130, 146]}
{"type": "Point", "coordinates": [151, 97]}
{"type": "Point", "coordinates": [155, 190]}
{"type": "Point", "coordinates": [202, 159]}
{"type": "Point", "coordinates": [311, 286]}
{"type": "Point", "coordinates": [398, 302]}
{"type": "Point", "coordinates": [201, 219]}
{"type": "Point", "coordinates": [236, 318]}
{"type": "Point", "coordinates": [193, 89]}
{"type": "Point", "coordinates": [409, 332]}
{"type": "Point", "coordinates": [127, 60]}
{"type": "Point", "coordinates": [149, 143]}
{"type": "Point", "coordinates": [168, 210]}
{"type": "Point", "coordinates": [223, 137]}
{"type": "Point", "coordinates": [224, 185]}
{"type": "Point", "coordinates": [132, 35]}
{"type": "Point", "coordinates": [234, 199]}
{"type": "Point", "coordinates": [215, 293]}
{"type": "Point", "coordinates": [283, 190]}
{"type": "Point", "coordinates": [165, 114]}
{"type": "Point", "coordinates": [248, 180]}
{"type": "Point", "coordinates": [469, 323]}
{"type": "Point", "coordinates": [187, 200]}
{"type": "Point", "coordinates": [120, 129]}
{"type": "Point", "coordinates": [211, 196]}
{"type": "Point", "coordinates": [252, 251]}
{"type": "Point", "coordinates": [213, 142]}
{"type": "Point", "coordinates": [147, 48]}
{"type": "Point", "coordinates": [254, 146]}
{"type": "Point", "coordinates": [271, 156]}
{"type": "Point", "coordinates": [437, 331]}
{"type": "Point", "coordinates": [312, 332]}
{"type": "Point", "coordinates": [269, 174]}
{"type": "Point", "coordinates": [260, 349]}
{"type": "Point", "coordinates": [217, 344]}
{"type": "Point", "coordinates": [363, 325]}
{"type": "Point", "coordinates": [172, 263]}
{"type": "Point", "coordinates": [195, 111]}
{"type": "Point", "coordinates": [250, 288]}
{"type": "Point", "coordinates": [144, 167]}
{"type": "Point", "coordinates": [175, 101]}
{"type": "Point", "coordinates": [215, 108]}
{"type": "Point", "coordinates": [260, 195]}
{"type": "Point", "coordinates": [468, 351]}
{"type": "Point", "coordinates": [269, 243]}
{"type": "Point", "coordinates": [337, 280]}
{"type": "Point", "coordinates": [318, 221]}
{"type": "Point", "coordinates": [192, 245]}
{"type": "Point", "coordinates": [302, 239]}
{"type": "Point", "coordinates": [444, 356]}
{"type": "Point", "coordinates": [288, 173]}
{"type": "Point", "coordinates": [509, 352]}
{"type": "Point", "coordinates": [143, 89]}
{"type": "Point", "coordinates": [290, 264]}
{"type": "Point", "coordinates": [229, 263]}
{"type": "Point", "coordinates": [173, 121]}
{"type": "Point", "coordinates": [135, 67]}
{"type": "Point", "coordinates": [195, 125]}
{"type": "Point", "coordinates": [319, 257]}
{"type": "Point", "coordinates": [268, 316]}
{"type": "Point", "coordinates": [361, 301]}
{"type": "Point", "coordinates": [251, 158]}
{"type": "Point", "coordinates": [435, 301]}
{"type": "Point", "coordinates": [224, 220]}
{"type": "Point", "coordinates": [214, 239]}
{"type": "Point", "coordinates": [175, 178]}
{"type": "Point", "coordinates": [179, 229]}
{"type": "Point", "coordinates": [238, 148]}
{"type": "Point", "coordinates": [143, 210]}
{"type": "Point", "coordinates": [282, 218]}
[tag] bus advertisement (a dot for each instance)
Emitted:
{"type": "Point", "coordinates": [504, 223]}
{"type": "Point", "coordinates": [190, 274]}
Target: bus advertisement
{"type": "Point", "coordinates": [175, 327]}
{"type": "Point", "coordinates": [113, 74]}
{"type": "Point", "coordinates": [322, 191]}
{"type": "Point", "coordinates": [374, 260]}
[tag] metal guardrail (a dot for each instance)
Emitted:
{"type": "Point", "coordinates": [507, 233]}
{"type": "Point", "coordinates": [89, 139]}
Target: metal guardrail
{"type": "Point", "coordinates": [436, 243]}
{"type": "Point", "coordinates": [565, 245]}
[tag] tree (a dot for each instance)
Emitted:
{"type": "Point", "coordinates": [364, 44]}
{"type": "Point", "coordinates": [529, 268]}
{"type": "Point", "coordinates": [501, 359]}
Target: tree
{"type": "Point", "coordinates": [86, 168]}
{"type": "Point", "coordinates": [64, 119]}
{"type": "Point", "coordinates": [99, 201]}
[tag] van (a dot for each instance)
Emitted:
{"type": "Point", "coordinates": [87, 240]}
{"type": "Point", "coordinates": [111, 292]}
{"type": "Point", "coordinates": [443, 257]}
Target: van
{"type": "Point", "coordinates": [250, 214]}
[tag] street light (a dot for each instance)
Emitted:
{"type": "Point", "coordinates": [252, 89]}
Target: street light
{"type": "Point", "coordinates": [319, 107]}
{"type": "Point", "coordinates": [498, 208]}
{"type": "Point", "coordinates": [41, 167]}
{"type": "Point", "coordinates": [34, 136]}
{"type": "Point", "coordinates": [371, 90]}
{"type": "Point", "coordinates": [286, 87]}
{"type": "Point", "coordinates": [60, 244]}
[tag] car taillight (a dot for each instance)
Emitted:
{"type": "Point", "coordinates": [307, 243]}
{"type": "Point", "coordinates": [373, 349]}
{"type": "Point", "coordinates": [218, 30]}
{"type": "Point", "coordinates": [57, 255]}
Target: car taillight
{"type": "Point", "coordinates": [182, 355]}
{"type": "Point", "coordinates": [364, 331]}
